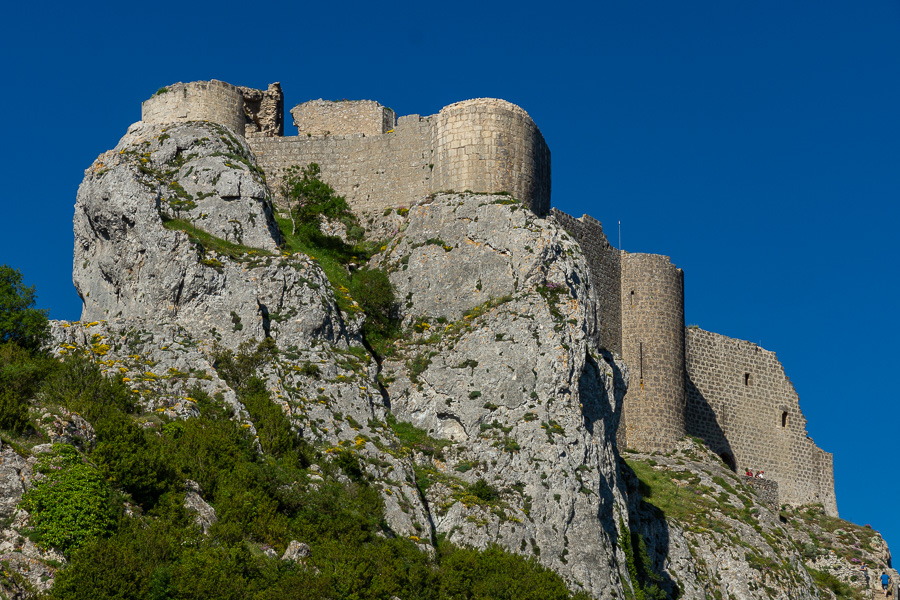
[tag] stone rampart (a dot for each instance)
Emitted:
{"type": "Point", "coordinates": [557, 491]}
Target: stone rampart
{"type": "Point", "coordinates": [487, 146]}
{"type": "Point", "coordinates": [653, 348]}
{"type": "Point", "coordinates": [766, 491]}
{"type": "Point", "coordinates": [372, 172]}
{"type": "Point", "coordinates": [606, 274]}
{"type": "Point", "coordinates": [214, 100]}
{"type": "Point", "coordinates": [741, 403]}
{"type": "Point", "coordinates": [345, 117]}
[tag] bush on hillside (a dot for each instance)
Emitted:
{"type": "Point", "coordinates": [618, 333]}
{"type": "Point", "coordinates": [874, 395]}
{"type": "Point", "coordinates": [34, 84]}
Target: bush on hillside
{"type": "Point", "coordinates": [71, 504]}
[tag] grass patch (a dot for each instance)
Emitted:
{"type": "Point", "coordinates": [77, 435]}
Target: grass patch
{"type": "Point", "coordinates": [209, 242]}
{"type": "Point", "coordinates": [413, 438]}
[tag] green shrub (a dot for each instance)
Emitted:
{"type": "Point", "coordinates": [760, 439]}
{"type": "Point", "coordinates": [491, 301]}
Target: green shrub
{"type": "Point", "coordinates": [79, 385]}
{"type": "Point", "coordinates": [640, 567]}
{"type": "Point", "coordinates": [309, 197]}
{"type": "Point", "coordinates": [372, 289]}
{"type": "Point", "coordinates": [272, 426]}
{"type": "Point", "coordinates": [71, 504]}
{"type": "Point", "coordinates": [21, 373]}
{"type": "Point", "coordinates": [484, 491]}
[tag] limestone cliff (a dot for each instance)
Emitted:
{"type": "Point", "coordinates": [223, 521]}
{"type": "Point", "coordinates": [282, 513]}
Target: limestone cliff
{"type": "Point", "coordinates": [179, 259]}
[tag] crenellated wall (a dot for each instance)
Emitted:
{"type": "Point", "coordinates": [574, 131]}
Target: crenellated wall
{"type": "Point", "coordinates": [741, 403]}
{"type": "Point", "coordinates": [653, 347]}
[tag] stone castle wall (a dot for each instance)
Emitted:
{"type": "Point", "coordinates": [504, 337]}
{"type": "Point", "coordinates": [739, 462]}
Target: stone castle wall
{"type": "Point", "coordinates": [606, 275]}
{"type": "Point", "coordinates": [766, 491]}
{"type": "Point", "coordinates": [653, 348]}
{"type": "Point", "coordinates": [372, 172]}
{"type": "Point", "coordinates": [346, 117]}
{"type": "Point", "coordinates": [741, 403]}
{"type": "Point", "coordinates": [214, 100]}
{"type": "Point", "coordinates": [490, 145]}
{"type": "Point", "coordinates": [483, 145]}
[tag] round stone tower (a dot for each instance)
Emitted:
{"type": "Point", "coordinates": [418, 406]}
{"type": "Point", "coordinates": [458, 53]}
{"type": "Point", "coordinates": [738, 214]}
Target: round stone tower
{"type": "Point", "coordinates": [214, 101]}
{"type": "Point", "coordinates": [487, 146]}
{"type": "Point", "coordinates": [653, 348]}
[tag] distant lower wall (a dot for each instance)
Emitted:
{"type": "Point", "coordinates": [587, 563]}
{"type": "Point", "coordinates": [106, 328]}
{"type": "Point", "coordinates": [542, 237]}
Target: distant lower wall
{"type": "Point", "coordinates": [766, 491]}
{"type": "Point", "coordinates": [741, 403]}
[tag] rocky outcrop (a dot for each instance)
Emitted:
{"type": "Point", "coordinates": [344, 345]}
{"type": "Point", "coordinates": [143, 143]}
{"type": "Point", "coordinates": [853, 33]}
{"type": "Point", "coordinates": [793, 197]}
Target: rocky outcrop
{"type": "Point", "coordinates": [175, 225]}
{"type": "Point", "coordinates": [503, 366]}
{"type": "Point", "coordinates": [204, 514]}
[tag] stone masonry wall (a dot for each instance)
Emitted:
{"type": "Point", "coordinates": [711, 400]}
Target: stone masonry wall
{"type": "Point", "coordinates": [214, 100]}
{"type": "Point", "coordinates": [653, 349]}
{"type": "Point", "coordinates": [264, 110]}
{"type": "Point", "coordinates": [347, 117]}
{"type": "Point", "coordinates": [372, 172]}
{"type": "Point", "coordinates": [606, 274]}
{"type": "Point", "coordinates": [766, 491]}
{"type": "Point", "coordinates": [740, 402]}
{"type": "Point", "coordinates": [489, 145]}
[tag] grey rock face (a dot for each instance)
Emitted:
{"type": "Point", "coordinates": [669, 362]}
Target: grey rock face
{"type": "Point", "coordinates": [128, 264]}
{"type": "Point", "coordinates": [15, 473]}
{"type": "Point", "coordinates": [516, 383]}
{"type": "Point", "coordinates": [459, 251]}
{"type": "Point", "coordinates": [204, 514]}
{"type": "Point", "coordinates": [297, 551]}
{"type": "Point", "coordinates": [698, 550]}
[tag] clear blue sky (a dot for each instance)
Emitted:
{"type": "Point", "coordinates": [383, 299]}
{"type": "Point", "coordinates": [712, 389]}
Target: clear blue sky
{"type": "Point", "coordinates": [756, 143]}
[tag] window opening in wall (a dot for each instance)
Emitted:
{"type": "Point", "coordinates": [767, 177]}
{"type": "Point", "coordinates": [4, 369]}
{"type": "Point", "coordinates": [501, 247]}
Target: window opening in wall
{"type": "Point", "coordinates": [728, 459]}
{"type": "Point", "coordinates": [784, 419]}
{"type": "Point", "coordinates": [632, 297]}
{"type": "Point", "coordinates": [746, 378]}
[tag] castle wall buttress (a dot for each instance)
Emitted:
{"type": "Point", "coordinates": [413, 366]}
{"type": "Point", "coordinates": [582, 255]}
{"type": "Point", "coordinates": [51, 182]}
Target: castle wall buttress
{"type": "Point", "coordinates": [653, 348]}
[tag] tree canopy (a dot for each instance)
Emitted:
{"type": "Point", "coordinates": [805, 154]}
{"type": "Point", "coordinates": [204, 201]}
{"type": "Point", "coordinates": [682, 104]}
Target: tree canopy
{"type": "Point", "coordinates": [20, 322]}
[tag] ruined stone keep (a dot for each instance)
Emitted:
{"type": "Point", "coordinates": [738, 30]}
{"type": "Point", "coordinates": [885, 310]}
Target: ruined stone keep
{"type": "Point", "coordinates": [732, 394]}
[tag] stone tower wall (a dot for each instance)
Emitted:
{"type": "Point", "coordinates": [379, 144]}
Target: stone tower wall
{"type": "Point", "coordinates": [741, 403]}
{"type": "Point", "coordinates": [489, 145]}
{"type": "Point", "coordinates": [606, 274]}
{"type": "Point", "coordinates": [653, 348]}
{"type": "Point", "coordinates": [214, 100]}
{"type": "Point", "coordinates": [347, 117]}
{"type": "Point", "coordinates": [372, 172]}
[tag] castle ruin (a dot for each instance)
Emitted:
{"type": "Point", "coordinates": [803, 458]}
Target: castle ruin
{"type": "Point", "coordinates": [683, 381]}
